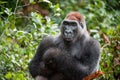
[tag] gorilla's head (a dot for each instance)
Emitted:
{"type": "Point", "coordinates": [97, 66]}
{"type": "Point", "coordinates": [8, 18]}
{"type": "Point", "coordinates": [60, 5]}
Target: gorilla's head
{"type": "Point", "coordinates": [73, 26]}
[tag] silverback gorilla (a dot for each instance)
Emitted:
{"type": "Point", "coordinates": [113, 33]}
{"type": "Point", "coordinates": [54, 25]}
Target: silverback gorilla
{"type": "Point", "coordinates": [72, 55]}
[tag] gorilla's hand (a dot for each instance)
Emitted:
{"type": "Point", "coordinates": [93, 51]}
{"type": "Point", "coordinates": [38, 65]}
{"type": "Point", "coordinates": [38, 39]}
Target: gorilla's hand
{"type": "Point", "coordinates": [50, 56]}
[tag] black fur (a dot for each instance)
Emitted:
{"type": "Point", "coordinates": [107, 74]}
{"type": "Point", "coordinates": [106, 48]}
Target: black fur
{"type": "Point", "coordinates": [71, 60]}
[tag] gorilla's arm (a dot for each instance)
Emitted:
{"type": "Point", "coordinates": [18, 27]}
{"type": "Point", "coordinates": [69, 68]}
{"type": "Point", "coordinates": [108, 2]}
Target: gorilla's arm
{"type": "Point", "coordinates": [36, 66]}
{"type": "Point", "coordinates": [77, 68]}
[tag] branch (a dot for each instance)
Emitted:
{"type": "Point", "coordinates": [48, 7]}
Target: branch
{"type": "Point", "coordinates": [94, 75]}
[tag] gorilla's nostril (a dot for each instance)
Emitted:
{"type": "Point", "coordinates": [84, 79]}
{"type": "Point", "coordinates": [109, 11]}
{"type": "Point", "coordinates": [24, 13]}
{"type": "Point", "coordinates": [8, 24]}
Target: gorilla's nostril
{"type": "Point", "coordinates": [68, 31]}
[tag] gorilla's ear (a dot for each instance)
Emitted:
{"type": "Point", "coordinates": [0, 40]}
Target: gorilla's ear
{"type": "Point", "coordinates": [81, 24]}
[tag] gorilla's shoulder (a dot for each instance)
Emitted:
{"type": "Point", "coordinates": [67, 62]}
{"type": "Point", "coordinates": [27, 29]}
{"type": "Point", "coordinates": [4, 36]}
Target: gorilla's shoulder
{"type": "Point", "coordinates": [47, 39]}
{"type": "Point", "coordinates": [51, 39]}
{"type": "Point", "coordinates": [93, 39]}
{"type": "Point", "coordinates": [93, 42]}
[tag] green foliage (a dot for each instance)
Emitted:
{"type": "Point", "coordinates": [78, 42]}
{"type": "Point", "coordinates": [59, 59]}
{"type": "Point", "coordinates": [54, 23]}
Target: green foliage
{"type": "Point", "coordinates": [18, 44]}
{"type": "Point", "coordinates": [19, 37]}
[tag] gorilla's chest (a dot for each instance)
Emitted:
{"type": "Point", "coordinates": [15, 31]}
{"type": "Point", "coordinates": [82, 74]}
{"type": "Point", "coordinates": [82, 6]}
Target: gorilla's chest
{"type": "Point", "coordinates": [74, 50]}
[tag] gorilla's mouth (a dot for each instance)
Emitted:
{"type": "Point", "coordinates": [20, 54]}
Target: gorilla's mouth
{"type": "Point", "coordinates": [68, 37]}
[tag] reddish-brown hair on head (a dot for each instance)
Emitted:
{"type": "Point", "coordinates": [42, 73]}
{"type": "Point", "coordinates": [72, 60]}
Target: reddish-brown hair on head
{"type": "Point", "coordinates": [74, 16]}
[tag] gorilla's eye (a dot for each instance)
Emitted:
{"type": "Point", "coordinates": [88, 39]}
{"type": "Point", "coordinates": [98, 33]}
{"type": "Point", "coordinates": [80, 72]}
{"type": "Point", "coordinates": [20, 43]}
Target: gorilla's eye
{"type": "Point", "coordinates": [65, 23]}
{"type": "Point", "coordinates": [74, 24]}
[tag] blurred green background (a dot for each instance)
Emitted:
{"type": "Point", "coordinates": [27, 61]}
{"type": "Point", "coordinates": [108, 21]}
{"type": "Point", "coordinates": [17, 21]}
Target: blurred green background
{"type": "Point", "coordinates": [23, 23]}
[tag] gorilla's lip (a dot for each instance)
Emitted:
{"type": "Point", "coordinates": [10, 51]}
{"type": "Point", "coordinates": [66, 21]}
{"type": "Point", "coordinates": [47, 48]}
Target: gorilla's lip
{"type": "Point", "coordinates": [68, 39]}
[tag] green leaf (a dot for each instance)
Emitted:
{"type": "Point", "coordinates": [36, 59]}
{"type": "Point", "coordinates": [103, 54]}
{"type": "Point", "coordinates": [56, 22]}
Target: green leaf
{"type": "Point", "coordinates": [8, 75]}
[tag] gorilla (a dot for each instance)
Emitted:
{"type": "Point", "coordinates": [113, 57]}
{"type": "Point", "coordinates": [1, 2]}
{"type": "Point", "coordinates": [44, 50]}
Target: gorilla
{"type": "Point", "coordinates": [71, 55]}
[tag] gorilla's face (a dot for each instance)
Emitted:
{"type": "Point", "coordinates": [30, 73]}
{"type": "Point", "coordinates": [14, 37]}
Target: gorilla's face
{"type": "Point", "coordinates": [69, 30]}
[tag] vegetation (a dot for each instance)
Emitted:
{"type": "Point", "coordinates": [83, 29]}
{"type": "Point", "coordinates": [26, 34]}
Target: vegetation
{"type": "Point", "coordinates": [23, 25]}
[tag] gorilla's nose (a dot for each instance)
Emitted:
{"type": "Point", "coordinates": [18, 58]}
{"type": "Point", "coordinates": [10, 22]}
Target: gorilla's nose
{"type": "Point", "coordinates": [68, 31]}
